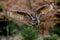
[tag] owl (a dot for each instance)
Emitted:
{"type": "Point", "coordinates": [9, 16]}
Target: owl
{"type": "Point", "coordinates": [40, 13]}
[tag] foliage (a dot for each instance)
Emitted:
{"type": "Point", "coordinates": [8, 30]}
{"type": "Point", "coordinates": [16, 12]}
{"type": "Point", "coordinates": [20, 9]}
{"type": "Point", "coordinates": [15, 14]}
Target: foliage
{"type": "Point", "coordinates": [3, 25]}
{"type": "Point", "coordinates": [1, 9]}
{"type": "Point", "coordinates": [58, 3]}
{"type": "Point", "coordinates": [53, 37]}
{"type": "Point", "coordinates": [10, 25]}
{"type": "Point", "coordinates": [55, 29]}
{"type": "Point", "coordinates": [29, 33]}
{"type": "Point", "coordinates": [23, 26]}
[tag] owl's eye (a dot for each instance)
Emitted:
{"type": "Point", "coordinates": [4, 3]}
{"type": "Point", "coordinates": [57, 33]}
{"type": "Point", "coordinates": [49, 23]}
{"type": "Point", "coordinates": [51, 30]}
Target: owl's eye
{"type": "Point", "coordinates": [1, 9]}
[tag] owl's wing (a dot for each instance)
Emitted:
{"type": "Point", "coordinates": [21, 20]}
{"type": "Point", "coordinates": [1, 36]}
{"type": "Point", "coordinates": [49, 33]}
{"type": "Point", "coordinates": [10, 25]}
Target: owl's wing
{"type": "Point", "coordinates": [45, 9]}
{"type": "Point", "coordinates": [25, 14]}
